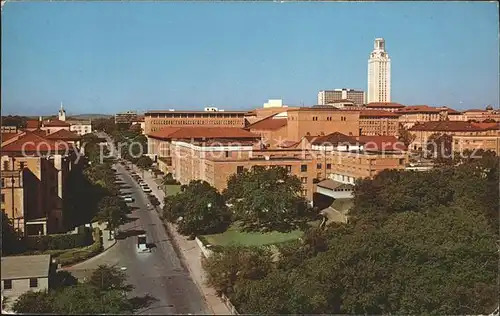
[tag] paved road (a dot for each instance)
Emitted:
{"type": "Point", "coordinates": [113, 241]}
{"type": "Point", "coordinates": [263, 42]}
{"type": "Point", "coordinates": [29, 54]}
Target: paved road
{"type": "Point", "coordinates": [159, 273]}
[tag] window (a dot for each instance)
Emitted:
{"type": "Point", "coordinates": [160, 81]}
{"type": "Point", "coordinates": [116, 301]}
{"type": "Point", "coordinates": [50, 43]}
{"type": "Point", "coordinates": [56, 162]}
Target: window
{"type": "Point", "coordinates": [315, 118]}
{"type": "Point", "coordinates": [328, 166]}
{"type": "Point", "coordinates": [227, 154]}
{"type": "Point", "coordinates": [7, 284]}
{"type": "Point", "coordinates": [304, 192]}
{"type": "Point", "coordinates": [21, 164]}
{"type": "Point", "coordinates": [303, 168]}
{"type": "Point", "coordinates": [288, 168]}
{"type": "Point", "coordinates": [5, 165]}
{"type": "Point", "coordinates": [239, 169]}
{"type": "Point", "coordinates": [303, 179]}
{"type": "Point", "coordinates": [33, 282]}
{"type": "Point", "coordinates": [3, 198]}
{"type": "Point", "coordinates": [3, 182]}
{"type": "Point", "coordinates": [319, 166]}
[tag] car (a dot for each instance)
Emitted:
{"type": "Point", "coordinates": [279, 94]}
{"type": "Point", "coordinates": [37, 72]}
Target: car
{"type": "Point", "coordinates": [142, 244]}
{"type": "Point", "coordinates": [147, 189]}
{"type": "Point", "coordinates": [128, 199]}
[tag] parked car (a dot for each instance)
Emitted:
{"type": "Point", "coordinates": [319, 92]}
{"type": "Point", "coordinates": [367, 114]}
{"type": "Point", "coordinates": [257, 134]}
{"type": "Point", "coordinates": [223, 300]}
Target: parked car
{"type": "Point", "coordinates": [129, 199]}
{"type": "Point", "coordinates": [146, 189]}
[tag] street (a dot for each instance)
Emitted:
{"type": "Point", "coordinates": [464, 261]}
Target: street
{"type": "Point", "coordinates": [159, 273]}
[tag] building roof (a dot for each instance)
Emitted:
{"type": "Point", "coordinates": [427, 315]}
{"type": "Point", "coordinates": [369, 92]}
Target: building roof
{"type": "Point", "coordinates": [446, 126]}
{"type": "Point", "coordinates": [419, 109]}
{"type": "Point", "coordinates": [381, 143]}
{"type": "Point", "coordinates": [334, 139]}
{"type": "Point", "coordinates": [487, 126]}
{"type": "Point", "coordinates": [391, 105]}
{"type": "Point", "coordinates": [79, 122]}
{"type": "Point", "coordinates": [450, 110]}
{"type": "Point", "coordinates": [377, 113]}
{"type": "Point", "coordinates": [202, 132]}
{"type": "Point", "coordinates": [32, 124]}
{"type": "Point", "coordinates": [6, 136]}
{"type": "Point", "coordinates": [31, 142]}
{"type": "Point", "coordinates": [475, 110]}
{"type": "Point", "coordinates": [334, 185]}
{"type": "Point", "coordinates": [39, 132]}
{"type": "Point", "coordinates": [139, 118]}
{"type": "Point", "coordinates": [24, 267]}
{"type": "Point", "coordinates": [56, 123]}
{"type": "Point", "coordinates": [189, 111]}
{"type": "Point", "coordinates": [270, 123]}
{"type": "Point", "coordinates": [63, 134]}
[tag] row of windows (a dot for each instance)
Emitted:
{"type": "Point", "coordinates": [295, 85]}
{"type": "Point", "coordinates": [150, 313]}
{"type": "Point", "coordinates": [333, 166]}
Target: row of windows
{"type": "Point", "coordinates": [197, 122]}
{"type": "Point", "coordinates": [7, 284]}
{"type": "Point", "coordinates": [329, 118]}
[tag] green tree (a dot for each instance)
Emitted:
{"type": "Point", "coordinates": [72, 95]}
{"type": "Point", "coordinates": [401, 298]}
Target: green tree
{"type": "Point", "coordinates": [11, 239]}
{"type": "Point", "coordinates": [144, 162]}
{"type": "Point", "coordinates": [34, 303]}
{"type": "Point", "coordinates": [107, 278]}
{"type": "Point", "coordinates": [111, 211]}
{"type": "Point", "coordinates": [199, 209]}
{"type": "Point", "coordinates": [236, 263]}
{"type": "Point", "coordinates": [439, 147]}
{"type": "Point", "coordinates": [254, 196]}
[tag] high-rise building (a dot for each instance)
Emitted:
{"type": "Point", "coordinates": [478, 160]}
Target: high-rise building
{"type": "Point", "coordinates": [379, 73]}
{"type": "Point", "coordinates": [334, 96]}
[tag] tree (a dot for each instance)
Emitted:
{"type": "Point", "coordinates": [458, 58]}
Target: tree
{"type": "Point", "coordinates": [11, 238]}
{"type": "Point", "coordinates": [111, 211]}
{"type": "Point", "coordinates": [34, 303]}
{"type": "Point", "coordinates": [105, 293]}
{"type": "Point", "coordinates": [234, 263]}
{"type": "Point", "coordinates": [405, 136]}
{"type": "Point", "coordinates": [168, 179]}
{"type": "Point", "coordinates": [199, 209]}
{"type": "Point", "coordinates": [254, 196]}
{"type": "Point", "coordinates": [439, 147]}
{"type": "Point", "coordinates": [106, 278]}
{"type": "Point", "coordinates": [144, 162]}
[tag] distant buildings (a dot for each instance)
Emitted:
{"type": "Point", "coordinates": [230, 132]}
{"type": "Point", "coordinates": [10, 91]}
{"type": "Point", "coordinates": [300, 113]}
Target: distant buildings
{"type": "Point", "coordinates": [125, 117]}
{"type": "Point", "coordinates": [379, 73]}
{"type": "Point", "coordinates": [340, 95]}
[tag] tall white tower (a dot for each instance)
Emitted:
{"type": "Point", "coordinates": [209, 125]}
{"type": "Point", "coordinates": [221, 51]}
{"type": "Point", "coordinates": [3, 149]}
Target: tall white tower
{"type": "Point", "coordinates": [379, 73]}
{"type": "Point", "coordinates": [62, 114]}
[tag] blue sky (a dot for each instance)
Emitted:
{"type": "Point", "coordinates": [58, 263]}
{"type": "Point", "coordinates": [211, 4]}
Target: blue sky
{"type": "Point", "coordinates": [104, 57]}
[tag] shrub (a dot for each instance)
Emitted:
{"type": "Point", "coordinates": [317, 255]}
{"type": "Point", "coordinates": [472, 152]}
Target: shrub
{"type": "Point", "coordinates": [58, 242]}
{"type": "Point", "coordinates": [79, 254]}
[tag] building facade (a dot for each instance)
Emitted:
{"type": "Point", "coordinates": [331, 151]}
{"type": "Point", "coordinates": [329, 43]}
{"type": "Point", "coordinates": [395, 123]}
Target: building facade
{"type": "Point", "coordinates": [333, 96]}
{"type": "Point", "coordinates": [378, 122]}
{"type": "Point", "coordinates": [156, 120]}
{"type": "Point", "coordinates": [125, 117]}
{"type": "Point", "coordinates": [467, 134]}
{"type": "Point", "coordinates": [479, 115]}
{"type": "Point", "coordinates": [379, 74]}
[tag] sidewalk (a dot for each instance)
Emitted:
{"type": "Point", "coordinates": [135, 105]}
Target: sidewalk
{"type": "Point", "coordinates": [191, 253]}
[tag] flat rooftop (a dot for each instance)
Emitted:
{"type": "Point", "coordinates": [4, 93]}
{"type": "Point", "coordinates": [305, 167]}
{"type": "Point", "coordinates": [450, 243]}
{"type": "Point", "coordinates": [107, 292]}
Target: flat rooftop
{"type": "Point", "coordinates": [24, 267]}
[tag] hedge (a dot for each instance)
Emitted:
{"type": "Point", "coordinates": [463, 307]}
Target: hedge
{"type": "Point", "coordinates": [58, 242]}
{"type": "Point", "coordinates": [81, 254]}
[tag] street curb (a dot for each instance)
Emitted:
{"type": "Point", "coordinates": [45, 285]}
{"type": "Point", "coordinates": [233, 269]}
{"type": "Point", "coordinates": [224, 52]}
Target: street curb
{"type": "Point", "coordinates": [88, 259]}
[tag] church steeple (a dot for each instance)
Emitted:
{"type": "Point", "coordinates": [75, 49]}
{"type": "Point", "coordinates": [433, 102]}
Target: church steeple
{"type": "Point", "coordinates": [62, 113]}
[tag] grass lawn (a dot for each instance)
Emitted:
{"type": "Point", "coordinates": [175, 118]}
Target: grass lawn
{"type": "Point", "coordinates": [234, 236]}
{"type": "Point", "coordinates": [171, 189]}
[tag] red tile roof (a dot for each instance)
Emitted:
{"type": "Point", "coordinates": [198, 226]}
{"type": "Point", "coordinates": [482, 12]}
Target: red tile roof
{"type": "Point", "coordinates": [487, 126]}
{"type": "Point", "coordinates": [63, 134]}
{"type": "Point", "coordinates": [56, 123]}
{"type": "Point", "coordinates": [32, 124]}
{"type": "Point", "coordinates": [39, 132]}
{"type": "Point", "coordinates": [7, 136]}
{"type": "Point", "coordinates": [446, 126]}
{"type": "Point", "coordinates": [419, 109]}
{"type": "Point", "coordinates": [377, 113]}
{"type": "Point", "coordinates": [475, 110]}
{"type": "Point", "coordinates": [32, 143]}
{"type": "Point", "coordinates": [334, 139]}
{"type": "Point", "coordinates": [384, 105]}
{"type": "Point", "coordinates": [450, 110]}
{"type": "Point", "coordinates": [271, 123]}
{"type": "Point", "coordinates": [381, 143]}
{"type": "Point", "coordinates": [202, 132]}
